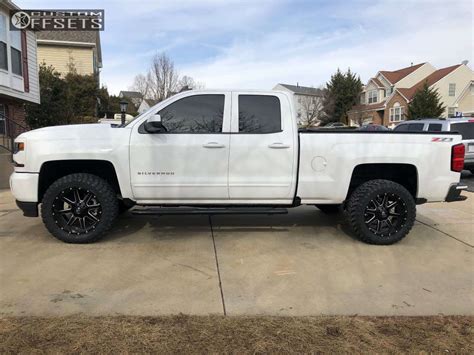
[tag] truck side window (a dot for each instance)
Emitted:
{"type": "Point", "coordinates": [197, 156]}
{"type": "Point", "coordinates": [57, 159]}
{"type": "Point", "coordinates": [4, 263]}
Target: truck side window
{"type": "Point", "coordinates": [194, 114]}
{"type": "Point", "coordinates": [259, 114]}
{"type": "Point", "coordinates": [435, 127]}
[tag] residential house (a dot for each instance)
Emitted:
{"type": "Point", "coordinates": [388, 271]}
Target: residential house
{"type": "Point", "coordinates": [307, 101]}
{"type": "Point", "coordinates": [134, 97]}
{"type": "Point", "coordinates": [464, 104]}
{"type": "Point", "coordinates": [67, 49]}
{"type": "Point", "coordinates": [385, 98]}
{"type": "Point", "coordinates": [19, 84]}
{"type": "Point", "coordinates": [371, 106]}
{"type": "Point", "coordinates": [452, 83]}
{"type": "Point", "coordinates": [146, 104]}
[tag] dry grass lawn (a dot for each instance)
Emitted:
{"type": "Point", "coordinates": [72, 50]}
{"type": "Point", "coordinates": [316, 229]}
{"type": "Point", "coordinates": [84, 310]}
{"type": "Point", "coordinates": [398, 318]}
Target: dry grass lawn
{"type": "Point", "coordinates": [218, 334]}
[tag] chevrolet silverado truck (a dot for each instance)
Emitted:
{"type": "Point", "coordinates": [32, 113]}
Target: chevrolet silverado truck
{"type": "Point", "coordinates": [216, 152]}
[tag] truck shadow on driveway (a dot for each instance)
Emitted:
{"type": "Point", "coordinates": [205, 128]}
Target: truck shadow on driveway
{"type": "Point", "coordinates": [129, 228]}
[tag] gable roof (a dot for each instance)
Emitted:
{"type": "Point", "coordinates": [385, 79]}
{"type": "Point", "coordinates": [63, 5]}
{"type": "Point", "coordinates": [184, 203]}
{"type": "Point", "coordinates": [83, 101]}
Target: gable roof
{"type": "Point", "coordinates": [303, 90]}
{"type": "Point", "coordinates": [71, 36]}
{"type": "Point", "coordinates": [430, 80]}
{"type": "Point", "coordinates": [377, 82]}
{"type": "Point", "coordinates": [395, 76]}
{"type": "Point", "coordinates": [131, 94]}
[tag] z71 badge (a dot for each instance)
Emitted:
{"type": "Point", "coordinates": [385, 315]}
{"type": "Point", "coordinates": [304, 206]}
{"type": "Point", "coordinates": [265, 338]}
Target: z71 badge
{"type": "Point", "coordinates": [441, 139]}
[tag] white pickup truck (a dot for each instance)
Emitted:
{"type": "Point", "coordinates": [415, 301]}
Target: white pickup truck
{"type": "Point", "coordinates": [215, 152]}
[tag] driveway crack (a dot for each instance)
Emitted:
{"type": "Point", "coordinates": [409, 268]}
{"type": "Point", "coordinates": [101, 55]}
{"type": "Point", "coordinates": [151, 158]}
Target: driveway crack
{"type": "Point", "coordinates": [217, 266]}
{"type": "Point", "coordinates": [447, 234]}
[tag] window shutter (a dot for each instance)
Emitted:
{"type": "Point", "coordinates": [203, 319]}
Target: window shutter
{"type": "Point", "coordinates": [24, 59]}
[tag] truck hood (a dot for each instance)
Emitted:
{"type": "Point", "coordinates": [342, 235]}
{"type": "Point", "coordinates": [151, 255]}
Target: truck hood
{"type": "Point", "coordinates": [87, 132]}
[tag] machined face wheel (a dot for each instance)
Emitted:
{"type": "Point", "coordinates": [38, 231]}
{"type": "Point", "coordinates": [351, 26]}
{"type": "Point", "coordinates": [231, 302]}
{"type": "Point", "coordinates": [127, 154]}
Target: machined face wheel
{"type": "Point", "coordinates": [76, 210]}
{"type": "Point", "coordinates": [385, 214]}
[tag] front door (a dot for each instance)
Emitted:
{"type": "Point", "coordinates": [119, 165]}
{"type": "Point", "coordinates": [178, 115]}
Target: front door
{"type": "Point", "coordinates": [188, 162]}
{"type": "Point", "coordinates": [262, 149]}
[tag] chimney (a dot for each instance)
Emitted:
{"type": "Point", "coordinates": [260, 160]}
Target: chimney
{"type": "Point", "coordinates": [297, 84]}
{"type": "Point", "coordinates": [411, 64]}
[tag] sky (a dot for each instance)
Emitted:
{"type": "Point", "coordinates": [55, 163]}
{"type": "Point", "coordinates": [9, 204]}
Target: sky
{"type": "Point", "coordinates": [257, 44]}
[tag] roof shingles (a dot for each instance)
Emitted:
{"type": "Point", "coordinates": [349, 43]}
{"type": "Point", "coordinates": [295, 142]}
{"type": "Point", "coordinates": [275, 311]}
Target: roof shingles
{"type": "Point", "coordinates": [431, 79]}
{"type": "Point", "coordinates": [395, 76]}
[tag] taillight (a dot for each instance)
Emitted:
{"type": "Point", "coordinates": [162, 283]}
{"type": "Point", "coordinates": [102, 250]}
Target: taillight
{"type": "Point", "coordinates": [457, 157]}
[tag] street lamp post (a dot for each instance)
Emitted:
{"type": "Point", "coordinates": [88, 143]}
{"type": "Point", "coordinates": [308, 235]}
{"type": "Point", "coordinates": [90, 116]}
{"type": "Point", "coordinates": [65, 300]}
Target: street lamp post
{"type": "Point", "coordinates": [123, 110]}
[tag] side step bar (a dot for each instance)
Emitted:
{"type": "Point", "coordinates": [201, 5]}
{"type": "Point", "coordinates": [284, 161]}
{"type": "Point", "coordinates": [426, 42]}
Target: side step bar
{"type": "Point", "coordinates": [158, 211]}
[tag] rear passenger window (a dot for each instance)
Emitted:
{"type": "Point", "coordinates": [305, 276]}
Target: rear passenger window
{"type": "Point", "coordinates": [435, 127]}
{"type": "Point", "coordinates": [259, 114]}
{"type": "Point", "coordinates": [401, 128]}
{"type": "Point", "coordinates": [416, 127]}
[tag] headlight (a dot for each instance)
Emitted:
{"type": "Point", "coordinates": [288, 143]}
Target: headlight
{"type": "Point", "coordinates": [18, 147]}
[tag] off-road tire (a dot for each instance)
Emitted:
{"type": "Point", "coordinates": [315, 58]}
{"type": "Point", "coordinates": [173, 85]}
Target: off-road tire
{"type": "Point", "coordinates": [330, 208]}
{"type": "Point", "coordinates": [100, 188]}
{"type": "Point", "coordinates": [360, 199]}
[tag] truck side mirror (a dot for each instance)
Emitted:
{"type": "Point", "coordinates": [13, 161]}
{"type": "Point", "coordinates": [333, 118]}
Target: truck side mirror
{"type": "Point", "coordinates": [153, 124]}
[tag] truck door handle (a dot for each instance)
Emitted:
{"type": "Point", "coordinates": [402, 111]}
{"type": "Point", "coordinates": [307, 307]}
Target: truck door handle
{"type": "Point", "coordinates": [279, 145]}
{"type": "Point", "coordinates": [213, 145]}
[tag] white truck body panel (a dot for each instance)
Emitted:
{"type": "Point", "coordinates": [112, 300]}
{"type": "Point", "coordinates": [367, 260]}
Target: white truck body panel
{"type": "Point", "coordinates": [231, 167]}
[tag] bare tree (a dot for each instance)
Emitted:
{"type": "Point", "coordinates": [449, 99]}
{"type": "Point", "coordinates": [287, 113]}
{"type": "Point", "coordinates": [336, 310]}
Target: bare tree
{"type": "Point", "coordinates": [162, 80]}
{"type": "Point", "coordinates": [188, 83]}
{"type": "Point", "coordinates": [162, 77]}
{"type": "Point", "coordinates": [311, 110]}
{"type": "Point", "coordinates": [141, 84]}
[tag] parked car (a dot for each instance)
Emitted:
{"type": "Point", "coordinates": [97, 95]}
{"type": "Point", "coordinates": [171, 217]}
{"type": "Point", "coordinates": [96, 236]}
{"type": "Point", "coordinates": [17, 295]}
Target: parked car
{"type": "Point", "coordinates": [372, 128]}
{"type": "Point", "coordinates": [335, 125]}
{"type": "Point", "coordinates": [462, 125]}
{"type": "Point", "coordinates": [117, 120]}
{"type": "Point", "coordinates": [228, 152]}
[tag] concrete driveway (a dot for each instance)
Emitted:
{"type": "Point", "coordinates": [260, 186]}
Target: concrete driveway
{"type": "Point", "coordinates": [303, 263]}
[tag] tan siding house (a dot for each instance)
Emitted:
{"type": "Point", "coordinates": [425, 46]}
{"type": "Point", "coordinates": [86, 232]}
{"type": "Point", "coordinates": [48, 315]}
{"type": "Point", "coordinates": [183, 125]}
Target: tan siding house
{"type": "Point", "coordinates": [65, 50]}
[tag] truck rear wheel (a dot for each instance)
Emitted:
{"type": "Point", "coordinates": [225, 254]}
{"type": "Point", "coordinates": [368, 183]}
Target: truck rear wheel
{"type": "Point", "coordinates": [381, 212]}
{"type": "Point", "coordinates": [79, 208]}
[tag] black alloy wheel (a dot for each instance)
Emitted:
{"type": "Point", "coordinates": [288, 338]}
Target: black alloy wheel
{"type": "Point", "coordinates": [385, 214]}
{"type": "Point", "coordinates": [76, 210]}
{"type": "Point", "coordinates": [79, 208]}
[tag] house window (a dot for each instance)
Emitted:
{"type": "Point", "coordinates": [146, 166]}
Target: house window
{"type": "Point", "coordinates": [396, 112]}
{"type": "Point", "coordinates": [372, 96]}
{"type": "Point", "coordinates": [15, 37]}
{"type": "Point", "coordinates": [3, 43]}
{"type": "Point", "coordinates": [452, 89]}
{"type": "Point", "coordinates": [451, 111]}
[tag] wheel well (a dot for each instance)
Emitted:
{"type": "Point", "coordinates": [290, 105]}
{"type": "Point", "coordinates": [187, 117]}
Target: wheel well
{"type": "Point", "coordinates": [53, 170]}
{"type": "Point", "coordinates": [403, 174]}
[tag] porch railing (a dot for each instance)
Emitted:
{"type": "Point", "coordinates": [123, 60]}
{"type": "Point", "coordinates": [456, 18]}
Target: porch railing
{"type": "Point", "coordinates": [9, 130]}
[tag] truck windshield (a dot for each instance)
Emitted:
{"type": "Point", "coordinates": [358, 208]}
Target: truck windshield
{"type": "Point", "coordinates": [465, 128]}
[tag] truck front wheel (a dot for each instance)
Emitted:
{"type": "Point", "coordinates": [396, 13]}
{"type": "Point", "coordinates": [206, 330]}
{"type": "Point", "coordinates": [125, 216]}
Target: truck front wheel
{"type": "Point", "coordinates": [79, 208]}
{"type": "Point", "coordinates": [381, 212]}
